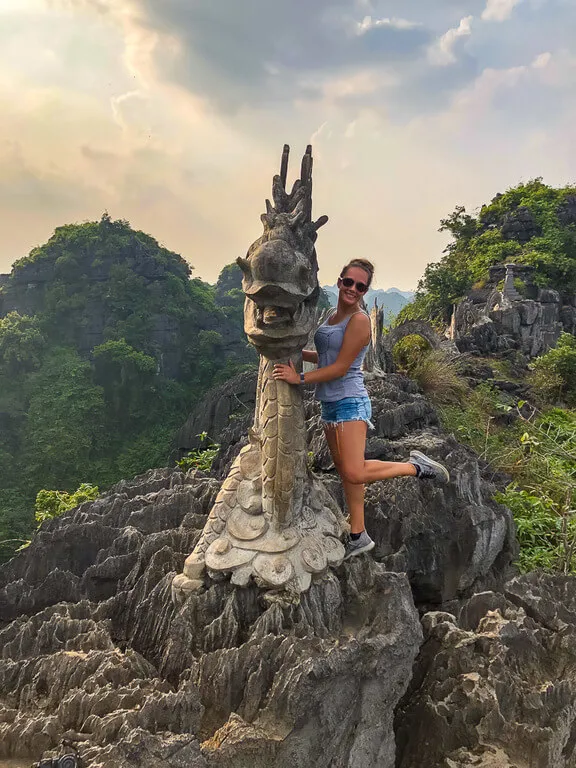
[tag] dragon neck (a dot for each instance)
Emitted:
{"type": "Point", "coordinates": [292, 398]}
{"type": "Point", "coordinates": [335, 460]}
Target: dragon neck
{"type": "Point", "coordinates": [280, 424]}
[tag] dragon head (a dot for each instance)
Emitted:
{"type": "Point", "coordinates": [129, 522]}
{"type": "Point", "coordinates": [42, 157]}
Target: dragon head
{"type": "Point", "coordinates": [280, 271]}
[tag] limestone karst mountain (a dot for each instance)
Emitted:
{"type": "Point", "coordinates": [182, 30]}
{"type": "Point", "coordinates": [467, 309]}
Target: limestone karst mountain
{"type": "Point", "coordinates": [94, 651]}
{"type": "Point", "coordinates": [106, 339]}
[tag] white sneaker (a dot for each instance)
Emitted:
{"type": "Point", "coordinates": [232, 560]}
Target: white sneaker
{"type": "Point", "coordinates": [357, 546]}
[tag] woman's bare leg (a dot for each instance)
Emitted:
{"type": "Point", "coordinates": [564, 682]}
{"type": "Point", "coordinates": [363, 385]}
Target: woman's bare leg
{"type": "Point", "coordinates": [354, 468]}
{"type": "Point", "coordinates": [354, 492]}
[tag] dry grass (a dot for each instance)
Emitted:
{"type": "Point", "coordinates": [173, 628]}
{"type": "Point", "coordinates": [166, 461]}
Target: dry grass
{"type": "Point", "coordinates": [438, 378]}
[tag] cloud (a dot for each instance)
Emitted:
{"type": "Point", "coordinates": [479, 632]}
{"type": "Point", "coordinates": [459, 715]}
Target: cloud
{"type": "Point", "coordinates": [173, 115]}
{"type": "Point", "coordinates": [499, 10]}
{"type": "Point", "coordinates": [442, 52]}
{"type": "Point", "coordinates": [257, 53]}
{"type": "Point", "coordinates": [542, 60]}
{"type": "Point", "coordinates": [504, 96]}
{"type": "Point", "coordinates": [368, 23]}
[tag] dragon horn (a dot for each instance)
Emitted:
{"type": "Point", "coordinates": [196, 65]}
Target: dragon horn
{"type": "Point", "coordinates": [298, 214]}
{"type": "Point", "coordinates": [320, 222]}
{"type": "Point", "coordinates": [306, 168]}
{"type": "Point", "coordinates": [284, 165]}
{"type": "Point", "coordinates": [306, 177]}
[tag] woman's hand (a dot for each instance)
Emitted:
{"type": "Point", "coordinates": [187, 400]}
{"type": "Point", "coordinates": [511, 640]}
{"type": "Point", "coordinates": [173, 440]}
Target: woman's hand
{"type": "Point", "coordinates": [286, 373]}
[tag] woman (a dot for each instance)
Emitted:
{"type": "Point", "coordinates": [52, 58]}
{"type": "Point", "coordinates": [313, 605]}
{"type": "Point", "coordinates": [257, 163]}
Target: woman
{"type": "Point", "coordinates": [341, 343]}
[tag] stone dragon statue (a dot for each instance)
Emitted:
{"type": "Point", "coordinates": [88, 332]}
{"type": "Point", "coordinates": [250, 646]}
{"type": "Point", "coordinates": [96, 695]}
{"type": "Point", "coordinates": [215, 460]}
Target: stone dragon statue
{"type": "Point", "coordinates": [273, 522]}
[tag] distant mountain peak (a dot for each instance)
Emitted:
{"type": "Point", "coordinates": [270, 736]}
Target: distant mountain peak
{"type": "Point", "coordinates": [391, 300]}
{"type": "Point", "coordinates": [406, 294]}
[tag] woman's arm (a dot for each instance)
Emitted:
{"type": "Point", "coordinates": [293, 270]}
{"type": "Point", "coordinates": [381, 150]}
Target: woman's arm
{"type": "Point", "coordinates": [309, 356]}
{"type": "Point", "coordinates": [357, 335]}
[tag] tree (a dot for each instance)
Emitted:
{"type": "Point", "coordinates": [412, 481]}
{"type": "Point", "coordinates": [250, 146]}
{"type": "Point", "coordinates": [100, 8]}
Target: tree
{"type": "Point", "coordinates": [21, 343]}
{"type": "Point", "coordinates": [229, 279]}
{"type": "Point", "coordinates": [460, 224]}
{"type": "Point", "coordinates": [64, 426]}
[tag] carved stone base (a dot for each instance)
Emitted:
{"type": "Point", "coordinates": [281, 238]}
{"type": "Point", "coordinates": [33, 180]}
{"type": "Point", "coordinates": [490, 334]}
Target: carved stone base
{"type": "Point", "coordinates": [240, 539]}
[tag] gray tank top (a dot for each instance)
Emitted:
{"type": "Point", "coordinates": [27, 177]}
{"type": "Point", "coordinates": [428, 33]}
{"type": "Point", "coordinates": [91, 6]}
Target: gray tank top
{"type": "Point", "coordinates": [328, 341]}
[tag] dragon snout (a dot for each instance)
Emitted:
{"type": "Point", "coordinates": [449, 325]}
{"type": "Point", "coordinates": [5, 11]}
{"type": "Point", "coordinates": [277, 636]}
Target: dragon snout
{"type": "Point", "coordinates": [276, 315]}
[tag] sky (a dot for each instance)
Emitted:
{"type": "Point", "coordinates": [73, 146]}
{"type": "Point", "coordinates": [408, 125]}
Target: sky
{"type": "Point", "coordinates": [172, 114]}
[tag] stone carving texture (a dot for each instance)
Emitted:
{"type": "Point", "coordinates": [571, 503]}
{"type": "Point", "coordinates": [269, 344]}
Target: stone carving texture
{"type": "Point", "coordinates": [271, 521]}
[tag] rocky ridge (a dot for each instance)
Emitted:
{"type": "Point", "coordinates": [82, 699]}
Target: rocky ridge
{"type": "Point", "coordinates": [94, 652]}
{"type": "Point", "coordinates": [495, 321]}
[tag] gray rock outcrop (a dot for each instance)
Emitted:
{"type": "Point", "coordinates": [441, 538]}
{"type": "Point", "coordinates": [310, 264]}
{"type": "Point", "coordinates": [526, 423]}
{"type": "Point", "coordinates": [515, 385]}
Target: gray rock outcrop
{"type": "Point", "coordinates": [495, 686]}
{"type": "Point", "coordinates": [232, 403]}
{"type": "Point", "coordinates": [494, 319]}
{"type": "Point", "coordinates": [96, 653]}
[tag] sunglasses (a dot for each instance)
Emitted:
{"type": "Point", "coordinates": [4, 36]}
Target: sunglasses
{"type": "Point", "coordinates": [347, 282]}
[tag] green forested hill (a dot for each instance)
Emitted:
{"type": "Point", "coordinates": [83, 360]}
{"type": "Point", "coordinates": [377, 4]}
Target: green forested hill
{"type": "Point", "coordinates": [531, 223]}
{"type": "Point", "coordinates": [105, 343]}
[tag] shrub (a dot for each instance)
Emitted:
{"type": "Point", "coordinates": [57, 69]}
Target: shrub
{"type": "Point", "coordinates": [538, 449]}
{"type": "Point", "coordinates": [409, 351]}
{"type": "Point", "coordinates": [554, 373]}
{"type": "Point", "coordinates": [546, 529]}
{"type": "Point", "coordinates": [50, 504]}
{"type": "Point", "coordinates": [199, 459]}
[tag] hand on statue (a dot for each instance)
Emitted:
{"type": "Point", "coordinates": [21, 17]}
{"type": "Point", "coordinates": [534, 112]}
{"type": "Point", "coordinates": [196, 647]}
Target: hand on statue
{"type": "Point", "coordinates": [286, 373]}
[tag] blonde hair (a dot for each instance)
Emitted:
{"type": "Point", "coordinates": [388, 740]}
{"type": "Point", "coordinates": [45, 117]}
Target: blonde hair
{"type": "Point", "coordinates": [364, 264]}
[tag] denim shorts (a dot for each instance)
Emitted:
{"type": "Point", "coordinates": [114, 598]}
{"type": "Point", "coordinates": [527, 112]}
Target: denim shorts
{"type": "Point", "coordinates": [347, 409]}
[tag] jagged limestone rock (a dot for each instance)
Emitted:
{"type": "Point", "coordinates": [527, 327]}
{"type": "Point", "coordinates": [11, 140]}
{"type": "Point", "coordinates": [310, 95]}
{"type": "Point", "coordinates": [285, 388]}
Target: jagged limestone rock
{"type": "Point", "coordinates": [495, 685]}
{"type": "Point", "coordinates": [271, 522]}
{"type": "Point", "coordinates": [228, 679]}
{"type": "Point", "coordinates": [95, 651]}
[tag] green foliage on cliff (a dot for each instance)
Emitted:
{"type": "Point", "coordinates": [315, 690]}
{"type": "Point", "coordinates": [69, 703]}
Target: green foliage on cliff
{"type": "Point", "coordinates": [105, 344]}
{"type": "Point", "coordinates": [534, 444]}
{"type": "Point", "coordinates": [537, 449]}
{"type": "Point", "coordinates": [554, 377]}
{"type": "Point", "coordinates": [50, 504]}
{"type": "Point", "coordinates": [532, 223]}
